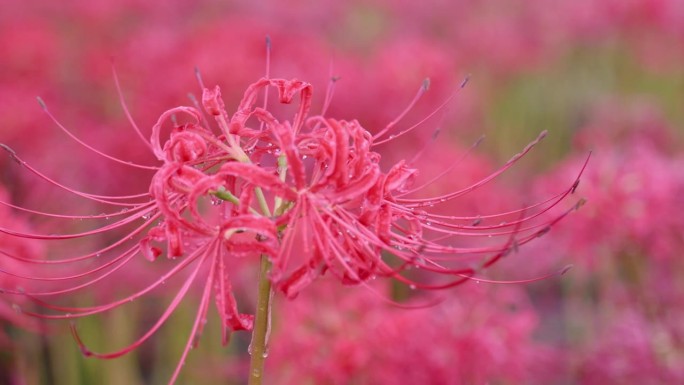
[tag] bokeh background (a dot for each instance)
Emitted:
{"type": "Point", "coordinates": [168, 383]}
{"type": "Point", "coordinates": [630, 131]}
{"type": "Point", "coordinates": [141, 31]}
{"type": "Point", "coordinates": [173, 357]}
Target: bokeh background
{"type": "Point", "coordinates": [603, 76]}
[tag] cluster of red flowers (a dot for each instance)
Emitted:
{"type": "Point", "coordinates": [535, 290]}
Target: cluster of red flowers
{"type": "Point", "coordinates": [627, 250]}
{"type": "Point", "coordinates": [314, 195]}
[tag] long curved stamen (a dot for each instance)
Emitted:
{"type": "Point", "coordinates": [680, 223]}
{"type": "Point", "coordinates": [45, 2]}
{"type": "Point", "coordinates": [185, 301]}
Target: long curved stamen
{"type": "Point", "coordinates": [124, 106]}
{"type": "Point", "coordinates": [446, 197]}
{"type": "Point", "coordinates": [86, 145]}
{"type": "Point", "coordinates": [106, 199]}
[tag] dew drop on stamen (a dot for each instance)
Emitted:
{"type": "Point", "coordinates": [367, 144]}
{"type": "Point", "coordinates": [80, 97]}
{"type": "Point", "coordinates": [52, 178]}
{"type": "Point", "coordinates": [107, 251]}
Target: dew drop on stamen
{"type": "Point", "coordinates": [215, 201]}
{"type": "Point", "coordinates": [412, 287]}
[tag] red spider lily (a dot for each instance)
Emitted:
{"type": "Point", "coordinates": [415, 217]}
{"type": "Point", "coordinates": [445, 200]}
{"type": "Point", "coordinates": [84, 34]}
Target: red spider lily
{"type": "Point", "coordinates": [252, 185]}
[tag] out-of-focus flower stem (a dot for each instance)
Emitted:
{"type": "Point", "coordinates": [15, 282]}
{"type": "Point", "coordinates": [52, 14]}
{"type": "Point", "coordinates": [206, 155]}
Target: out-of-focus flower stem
{"type": "Point", "coordinates": [258, 346]}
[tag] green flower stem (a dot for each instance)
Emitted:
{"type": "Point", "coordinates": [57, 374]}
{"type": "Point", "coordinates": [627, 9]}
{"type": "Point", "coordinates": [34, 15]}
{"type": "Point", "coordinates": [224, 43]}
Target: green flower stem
{"type": "Point", "coordinates": [258, 346]}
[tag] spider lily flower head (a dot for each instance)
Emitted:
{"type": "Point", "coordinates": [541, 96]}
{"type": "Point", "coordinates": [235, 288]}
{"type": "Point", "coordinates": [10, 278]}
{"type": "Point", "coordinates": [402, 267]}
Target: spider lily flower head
{"type": "Point", "coordinates": [308, 192]}
{"type": "Point", "coordinates": [333, 198]}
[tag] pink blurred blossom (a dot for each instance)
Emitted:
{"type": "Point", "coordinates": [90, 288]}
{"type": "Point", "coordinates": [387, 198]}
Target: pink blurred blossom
{"type": "Point", "coordinates": [624, 301]}
{"type": "Point", "coordinates": [478, 336]}
{"type": "Point", "coordinates": [634, 185]}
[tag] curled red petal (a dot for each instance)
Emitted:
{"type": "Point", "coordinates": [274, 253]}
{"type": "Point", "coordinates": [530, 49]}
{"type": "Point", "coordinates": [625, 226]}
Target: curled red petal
{"type": "Point", "coordinates": [212, 102]}
{"type": "Point", "coordinates": [156, 129]}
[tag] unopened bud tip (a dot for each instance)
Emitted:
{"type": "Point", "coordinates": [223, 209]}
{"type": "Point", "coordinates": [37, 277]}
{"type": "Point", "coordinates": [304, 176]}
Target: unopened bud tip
{"type": "Point", "coordinates": [565, 269]}
{"type": "Point", "coordinates": [426, 84]}
{"type": "Point", "coordinates": [465, 81]}
{"type": "Point", "coordinates": [41, 102]}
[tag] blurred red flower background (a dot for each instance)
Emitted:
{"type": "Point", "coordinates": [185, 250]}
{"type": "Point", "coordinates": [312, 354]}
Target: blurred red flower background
{"type": "Point", "coordinates": [606, 76]}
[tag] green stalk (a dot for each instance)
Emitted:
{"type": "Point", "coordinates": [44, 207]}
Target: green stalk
{"type": "Point", "coordinates": [258, 348]}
